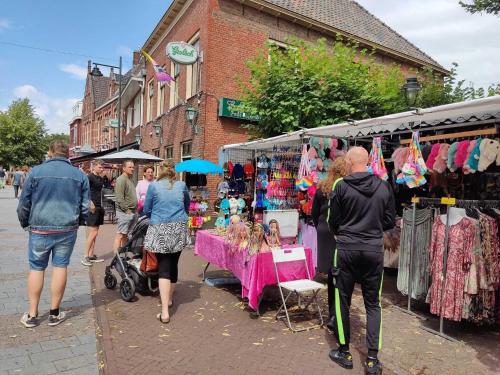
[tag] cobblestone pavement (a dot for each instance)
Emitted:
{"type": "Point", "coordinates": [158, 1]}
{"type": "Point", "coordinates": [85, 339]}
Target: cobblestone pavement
{"type": "Point", "coordinates": [69, 348]}
{"type": "Point", "coordinates": [212, 332]}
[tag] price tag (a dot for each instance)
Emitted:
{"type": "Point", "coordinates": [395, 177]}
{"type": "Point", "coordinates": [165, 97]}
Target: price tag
{"type": "Point", "coordinates": [415, 200]}
{"type": "Point", "coordinates": [449, 201]}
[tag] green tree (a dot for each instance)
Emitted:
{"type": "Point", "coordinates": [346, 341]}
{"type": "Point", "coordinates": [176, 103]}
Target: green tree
{"type": "Point", "coordinates": [310, 85]}
{"type": "Point", "coordinates": [49, 138]}
{"type": "Point", "coordinates": [479, 6]}
{"type": "Point", "coordinates": [22, 135]}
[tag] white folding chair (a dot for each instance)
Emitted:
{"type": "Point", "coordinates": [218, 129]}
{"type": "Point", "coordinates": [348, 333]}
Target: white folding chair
{"type": "Point", "coordinates": [296, 287]}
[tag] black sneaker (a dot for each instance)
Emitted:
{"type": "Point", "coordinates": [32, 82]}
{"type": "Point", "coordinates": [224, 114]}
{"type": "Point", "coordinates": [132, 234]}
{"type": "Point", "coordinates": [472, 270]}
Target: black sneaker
{"type": "Point", "coordinates": [95, 259]}
{"type": "Point", "coordinates": [55, 320]}
{"type": "Point", "coordinates": [343, 359]}
{"type": "Point", "coordinates": [29, 321]}
{"type": "Point", "coordinates": [373, 366]}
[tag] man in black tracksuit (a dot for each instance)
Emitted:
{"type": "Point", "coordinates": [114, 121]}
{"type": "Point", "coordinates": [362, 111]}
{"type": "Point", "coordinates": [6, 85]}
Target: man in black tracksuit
{"type": "Point", "coordinates": [362, 207]}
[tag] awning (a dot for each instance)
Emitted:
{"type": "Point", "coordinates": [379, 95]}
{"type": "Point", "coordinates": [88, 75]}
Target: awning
{"type": "Point", "coordinates": [95, 155]}
{"type": "Point", "coordinates": [464, 113]}
{"type": "Point", "coordinates": [135, 155]}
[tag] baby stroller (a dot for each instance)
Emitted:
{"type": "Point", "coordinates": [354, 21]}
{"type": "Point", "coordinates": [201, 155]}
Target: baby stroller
{"type": "Point", "coordinates": [127, 263]}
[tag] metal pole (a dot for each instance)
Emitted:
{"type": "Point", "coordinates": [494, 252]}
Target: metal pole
{"type": "Point", "coordinates": [119, 105]}
{"type": "Point", "coordinates": [412, 250]}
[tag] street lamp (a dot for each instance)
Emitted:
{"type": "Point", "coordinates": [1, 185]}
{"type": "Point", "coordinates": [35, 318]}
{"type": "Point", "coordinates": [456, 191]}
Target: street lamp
{"type": "Point", "coordinates": [157, 127]}
{"type": "Point", "coordinates": [191, 116]}
{"type": "Point", "coordinates": [138, 139]}
{"type": "Point", "coordinates": [411, 89]}
{"type": "Point", "coordinates": [97, 73]}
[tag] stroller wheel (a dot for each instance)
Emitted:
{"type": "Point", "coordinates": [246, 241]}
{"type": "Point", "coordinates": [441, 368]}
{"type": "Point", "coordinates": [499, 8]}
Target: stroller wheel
{"type": "Point", "coordinates": [109, 281]}
{"type": "Point", "coordinates": [127, 290]}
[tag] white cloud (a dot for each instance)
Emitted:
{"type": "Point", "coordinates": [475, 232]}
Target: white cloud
{"type": "Point", "coordinates": [447, 33]}
{"type": "Point", "coordinates": [76, 71]}
{"type": "Point", "coordinates": [4, 24]}
{"type": "Point", "coordinates": [124, 51]}
{"type": "Point", "coordinates": [56, 112]}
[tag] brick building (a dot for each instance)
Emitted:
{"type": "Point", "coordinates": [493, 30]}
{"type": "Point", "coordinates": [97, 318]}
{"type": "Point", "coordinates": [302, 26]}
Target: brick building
{"type": "Point", "coordinates": [226, 34]}
{"type": "Point", "coordinates": [75, 128]}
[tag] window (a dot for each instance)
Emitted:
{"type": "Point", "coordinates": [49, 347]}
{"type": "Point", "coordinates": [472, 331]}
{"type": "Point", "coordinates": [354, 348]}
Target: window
{"type": "Point", "coordinates": [193, 71]}
{"type": "Point", "coordinates": [156, 152]}
{"type": "Point", "coordinates": [169, 152]}
{"type": "Point", "coordinates": [160, 106]}
{"type": "Point", "coordinates": [175, 70]}
{"type": "Point", "coordinates": [130, 118]}
{"type": "Point", "coordinates": [150, 100]}
{"type": "Point", "coordinates": [137, 110]}
{"type": "Point", "coordinates": [186, 149]}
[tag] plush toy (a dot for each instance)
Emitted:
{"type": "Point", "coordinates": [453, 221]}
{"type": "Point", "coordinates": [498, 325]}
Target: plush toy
{"type": "Point", "coordinates": [399, 157]}
{"type": "Point", "coordinates": [433, 155]}
{"type": "Point", "coordinates": [473, 160]}
{"type": "Point", "coordinates": [461, 155]}
{"type": "Point", "coordinates": [466, 168]}
{"type": "Point", "coordinates": [489, 151]}
{"type": "Point", "coordinates": [440, 163]}
{"type": "Point", "coordinates": [451, 157]}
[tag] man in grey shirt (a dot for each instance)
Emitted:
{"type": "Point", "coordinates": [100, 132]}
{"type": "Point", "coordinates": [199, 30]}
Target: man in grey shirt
{"type": "Point", "coordinates": [18, 181]}
{"type": "Point", "coordinates": [126, 203]}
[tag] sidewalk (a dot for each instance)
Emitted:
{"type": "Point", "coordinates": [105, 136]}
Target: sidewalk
{"type": "Point", "coordinates": [69, 348]}
{"type": "Point", "coordinates": [211, 332]}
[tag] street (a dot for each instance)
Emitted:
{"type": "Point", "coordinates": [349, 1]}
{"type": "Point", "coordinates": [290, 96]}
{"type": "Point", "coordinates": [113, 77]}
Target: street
{"type": "Point", "coordinates": [211, 330]}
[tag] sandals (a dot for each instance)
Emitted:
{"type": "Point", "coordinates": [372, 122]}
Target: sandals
{"type": "Point", "coordinates": [158, 316]}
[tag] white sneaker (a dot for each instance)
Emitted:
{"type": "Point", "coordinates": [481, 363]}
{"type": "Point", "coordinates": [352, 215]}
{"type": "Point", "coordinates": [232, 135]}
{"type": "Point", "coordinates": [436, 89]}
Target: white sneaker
{"type": "Point", "coordinates": [55, 320]}
{"type": "Point", "coordinates": [29, 321]}
{"type": "Point", "coordinates": [86, 262]}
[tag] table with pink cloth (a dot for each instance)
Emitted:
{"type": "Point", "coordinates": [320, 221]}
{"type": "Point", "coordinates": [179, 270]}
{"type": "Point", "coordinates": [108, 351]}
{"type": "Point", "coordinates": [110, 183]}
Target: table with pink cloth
{"type": "Point", "coordinates": [254, 272]}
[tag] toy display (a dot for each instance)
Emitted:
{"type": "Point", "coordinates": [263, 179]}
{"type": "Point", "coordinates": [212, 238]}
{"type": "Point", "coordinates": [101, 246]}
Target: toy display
{"type": "Point", "coordinates": [273, 237]}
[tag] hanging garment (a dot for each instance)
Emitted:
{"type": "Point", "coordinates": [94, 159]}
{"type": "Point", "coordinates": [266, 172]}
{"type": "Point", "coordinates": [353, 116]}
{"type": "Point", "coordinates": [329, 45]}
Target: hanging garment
{"type": "Point", "coordinates": [412, 173]}
{"type": "Point", "coordinates": [420, 261]}
{"type": "Point", "coordinates": [460, 245]}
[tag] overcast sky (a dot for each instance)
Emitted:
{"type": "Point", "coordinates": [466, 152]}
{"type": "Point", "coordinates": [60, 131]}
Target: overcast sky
{"type": "Point", "coordinates": [443, 30]}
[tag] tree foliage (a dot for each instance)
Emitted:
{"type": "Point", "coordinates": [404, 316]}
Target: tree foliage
{"type": "Point", "coordinates": [22, 135]}
{"type": "Point", "coordinates": [311, 85]}
{"type": "Point", "coordinates": [479, 6]}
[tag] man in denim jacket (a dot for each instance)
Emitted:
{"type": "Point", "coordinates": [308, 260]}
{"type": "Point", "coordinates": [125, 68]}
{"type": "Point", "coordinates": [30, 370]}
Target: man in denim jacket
{"type": "Point", "coordinates": [53, 203]}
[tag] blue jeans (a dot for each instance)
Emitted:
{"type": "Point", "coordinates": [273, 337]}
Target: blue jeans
{"type": "Point", "coordinates": [42, 245]}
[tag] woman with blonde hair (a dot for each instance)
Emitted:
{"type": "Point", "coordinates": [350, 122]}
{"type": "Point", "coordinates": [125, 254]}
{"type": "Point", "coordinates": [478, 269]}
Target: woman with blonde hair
{"type": "Point", "coordinates": [320, 212]}
{"type": "Point", "coordinates": [167, 204]}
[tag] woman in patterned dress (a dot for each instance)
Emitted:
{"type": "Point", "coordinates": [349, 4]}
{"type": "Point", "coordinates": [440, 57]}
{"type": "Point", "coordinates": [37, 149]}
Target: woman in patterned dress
{"type": "Point", "coordinates": [167, 203]}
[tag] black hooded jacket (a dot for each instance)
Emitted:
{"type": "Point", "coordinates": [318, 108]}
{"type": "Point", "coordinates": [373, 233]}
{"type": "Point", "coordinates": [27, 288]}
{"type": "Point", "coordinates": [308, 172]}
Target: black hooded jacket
{"type": "Point", "coordinates": [361, 208]}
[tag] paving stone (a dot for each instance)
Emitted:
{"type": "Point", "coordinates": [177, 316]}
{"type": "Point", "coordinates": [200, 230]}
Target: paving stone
{"type": "Point", "coordinates": [84, 349]}
{"type": "Point", "coordinates": [15, 362]}
{"type": "Point", "coordinates": [51, 355]}
{"type": "Point", "coordinates": [86, 370]}
{"type": "Point", "coordinates": [20, 351]}
{"type": "Point", "coordinates": [59, 343]}
{"type": "Point", "coordinates": [75, 362]}
{"type": "Point", "coordinates": [40, 369]}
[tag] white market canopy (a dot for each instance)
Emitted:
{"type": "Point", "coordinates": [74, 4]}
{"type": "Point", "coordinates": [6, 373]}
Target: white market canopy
{"type": "Point", "coordinates": [428, 117]}
{"type": "Point", "coordinates": [135, 155]}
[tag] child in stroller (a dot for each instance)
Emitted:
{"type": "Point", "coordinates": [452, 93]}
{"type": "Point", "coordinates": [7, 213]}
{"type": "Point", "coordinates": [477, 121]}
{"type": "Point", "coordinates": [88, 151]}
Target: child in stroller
{"type": "Point", "coordinates": [127, 263]}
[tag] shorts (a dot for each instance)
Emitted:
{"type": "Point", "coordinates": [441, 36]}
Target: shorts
{"type": "Point", "coordinates": [97, 218]}
{"type": "Point", "coordinates": [124, 221]}
{"type": "Point", "coordinates": [60, 245]}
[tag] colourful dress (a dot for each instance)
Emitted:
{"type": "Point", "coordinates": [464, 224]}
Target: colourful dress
{"type": "Point", "coordinates": [461, 239]}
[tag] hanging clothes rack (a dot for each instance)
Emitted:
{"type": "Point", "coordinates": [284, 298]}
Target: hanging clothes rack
{"type": "Point", "coordinates": [447, 202]}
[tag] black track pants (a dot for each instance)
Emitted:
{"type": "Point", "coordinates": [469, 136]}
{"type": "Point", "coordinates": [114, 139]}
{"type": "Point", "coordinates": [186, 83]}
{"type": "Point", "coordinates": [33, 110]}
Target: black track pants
{"type": "Point", "coordinates": [366, 268]}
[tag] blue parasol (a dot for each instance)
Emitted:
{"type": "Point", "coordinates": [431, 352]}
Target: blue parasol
{"type": "Point", "coordinates": [198, 166]}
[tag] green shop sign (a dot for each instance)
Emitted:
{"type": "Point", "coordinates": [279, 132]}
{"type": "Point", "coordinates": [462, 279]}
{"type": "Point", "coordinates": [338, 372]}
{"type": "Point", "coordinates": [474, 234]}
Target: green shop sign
{"type": "Point", "coordinates": [182, 53]}
{"type": "Point", "coordinates": [230, 108]}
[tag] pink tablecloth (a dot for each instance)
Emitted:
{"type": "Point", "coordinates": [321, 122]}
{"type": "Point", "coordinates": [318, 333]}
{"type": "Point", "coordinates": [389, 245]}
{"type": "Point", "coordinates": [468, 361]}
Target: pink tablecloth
{"type": "Point", "coordinates": [254, 274]}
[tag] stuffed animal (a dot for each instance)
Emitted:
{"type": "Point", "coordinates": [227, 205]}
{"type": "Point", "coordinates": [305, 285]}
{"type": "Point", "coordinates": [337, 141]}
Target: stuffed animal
{"type": "Point", "coordinates": [461, 155]}
{"type": "Point", "coordinates": [433, 155]}
{"type": "Point", "coordinates": [473, 160]}
{"type": "Point", "coordinates": [466, 167]}
{"type": "Point", "coordinates": [489, 151]}
{"type": "Point", "coordinates": [451, 157]}
{"type": "Point", "coordinates": [440, 163]}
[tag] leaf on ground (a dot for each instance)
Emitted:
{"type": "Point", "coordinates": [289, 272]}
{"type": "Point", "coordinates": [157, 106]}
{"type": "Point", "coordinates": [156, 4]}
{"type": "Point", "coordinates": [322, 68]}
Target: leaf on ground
{"type": "Point", "coordinates": [225, 334]}
{"type": "Point", "coordinates": [13, 336]}
{"type": "Point", "coordinates": [133, 346]}
{"type": "Point", "coordinates": [163, 335]}
{"type": "Point", "coordinates": [257, 343]}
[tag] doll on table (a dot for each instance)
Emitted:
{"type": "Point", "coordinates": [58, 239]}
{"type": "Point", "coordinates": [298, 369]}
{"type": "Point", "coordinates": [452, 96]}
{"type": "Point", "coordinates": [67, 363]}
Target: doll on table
{"type": "Point", "coordinates": [273, 238]}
